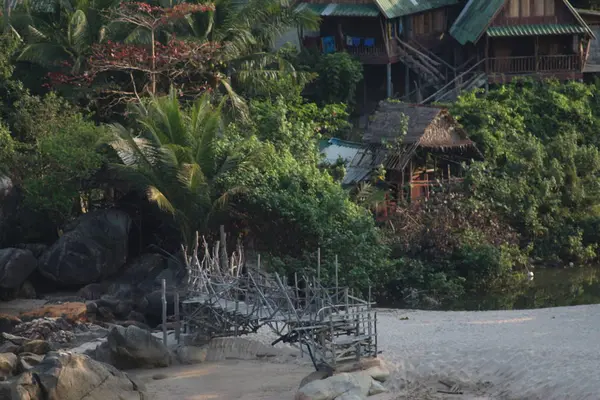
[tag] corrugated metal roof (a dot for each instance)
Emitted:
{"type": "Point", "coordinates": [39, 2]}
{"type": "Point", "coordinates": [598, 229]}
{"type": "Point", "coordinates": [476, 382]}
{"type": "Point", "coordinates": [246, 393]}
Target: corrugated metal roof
{"type": "Point", "coordinates": [399, 8]}
{"type": "Point", "coordinates": [477, 15]}
{"type": "Point", "coordinates": [534, 30]}
{"type": "Point", "coordinates": [473, 20]}
{"type": "Point", "coordinates": [342, 10]}
{"type": "Point", "coordinates": [337, 149]}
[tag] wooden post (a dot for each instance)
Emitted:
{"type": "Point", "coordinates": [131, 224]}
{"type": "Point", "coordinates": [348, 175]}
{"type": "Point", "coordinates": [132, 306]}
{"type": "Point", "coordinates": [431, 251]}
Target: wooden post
{"type": "Point", "coordinates": [177, 320]}
{"type": "Point", "coordinates": [319, 264]}
{"type": "Point", "coordinates": [406, 83]}
{"type": "Point", "coordinates": [164, 310]}
{"type": "Point", "coordinates": [389, 80]}
{"type": "Point", "coordinates": [223, 242]}
{"type": "Point", "coordinates": [337, 285]}
{"type": "Point", "coordinates": [258, 263]}
{"type": "Point", "coordinates": [536, 50]}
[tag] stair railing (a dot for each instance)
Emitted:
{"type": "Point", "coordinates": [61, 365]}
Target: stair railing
{"type": "Point", "coordinates": [449, 69]}
{"type": "Point", "coordinates": [453, 82]}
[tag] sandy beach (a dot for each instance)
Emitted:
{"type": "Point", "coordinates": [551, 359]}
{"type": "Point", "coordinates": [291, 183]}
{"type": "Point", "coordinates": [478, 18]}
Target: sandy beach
{"type": "Point", "coordinates": [545, 354]}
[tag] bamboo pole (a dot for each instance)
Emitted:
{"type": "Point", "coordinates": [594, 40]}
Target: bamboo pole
{"type": "Point", "coordinates": [164, 310]}
{"type": "Point", "coordinates": [177, 319]}
{"type": "Point", "coordinates": [319, 264]}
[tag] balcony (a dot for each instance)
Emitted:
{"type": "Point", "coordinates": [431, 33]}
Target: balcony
{"type": "Point", "coordinates": [501, 69]}
{"type": "Point", "coordinates": [376, 54]}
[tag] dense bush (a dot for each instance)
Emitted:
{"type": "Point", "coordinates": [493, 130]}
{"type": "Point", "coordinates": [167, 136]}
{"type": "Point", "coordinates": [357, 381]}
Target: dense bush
{"type": "Point", "coordinates": [447, 247]}
{"type": "Point", "coordinates": [542, 163]}
{"type": "Point", "coordinates": [289, 206]}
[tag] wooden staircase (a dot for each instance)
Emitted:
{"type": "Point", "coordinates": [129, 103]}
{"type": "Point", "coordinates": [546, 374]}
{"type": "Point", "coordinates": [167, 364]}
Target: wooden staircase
{"type": "Point", "coordinates": [470, 79]}
{"type": "Point", "coordinates": [431, 70]}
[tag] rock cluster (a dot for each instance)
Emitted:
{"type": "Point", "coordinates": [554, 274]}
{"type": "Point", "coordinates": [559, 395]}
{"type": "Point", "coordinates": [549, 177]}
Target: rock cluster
{"type": "Point", "coordinates": [354, 381]}
{"type": "Point", "coordinates": [66, 376]}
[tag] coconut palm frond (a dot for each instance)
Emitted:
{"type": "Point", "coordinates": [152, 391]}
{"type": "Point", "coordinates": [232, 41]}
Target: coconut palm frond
{"type": "Point", "coordinates": [161, 200]}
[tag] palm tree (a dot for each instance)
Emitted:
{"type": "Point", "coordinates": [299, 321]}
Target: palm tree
{"type": "Point", "coordinates": [60, 33]}
{"type": "Point", "coordinates": [246, 31]}
{"type": "Point", "coordinates": [173, 157]}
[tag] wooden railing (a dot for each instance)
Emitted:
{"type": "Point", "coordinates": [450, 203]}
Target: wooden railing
{"type": "Point", "coordinates": [366, 51]}
{"type": "Point", "coordinates": [532, 64]}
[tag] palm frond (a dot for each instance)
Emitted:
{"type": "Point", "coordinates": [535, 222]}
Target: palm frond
{"type": "Point", "coordinates": [160, 199]}
{"type": "Point", "coordinates": [44, 54]}
{"type": "Point", "coordinates": [78, 33]}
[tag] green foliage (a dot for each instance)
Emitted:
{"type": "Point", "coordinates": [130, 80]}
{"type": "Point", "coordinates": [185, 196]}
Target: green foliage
{"type": "Point", "coordinates": [291, 207]}
{"type": "Point", "coordinates": [338, 77]}
{"type": "Point", "coordinates": [173, 158]}
{"type": "Point", "coordinates": [542, 165]}
{"type": "Point", "coordinates": [61, 167]}
{"type": "Point", "coordinates": [7, 150]}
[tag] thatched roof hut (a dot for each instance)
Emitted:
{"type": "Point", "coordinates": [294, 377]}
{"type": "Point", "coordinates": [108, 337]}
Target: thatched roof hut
{"type": "Point", "coordinates": [431, 127]}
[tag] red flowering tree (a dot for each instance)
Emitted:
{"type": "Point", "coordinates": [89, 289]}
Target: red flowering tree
{"type": "Point", "coordinates": [191, 67]}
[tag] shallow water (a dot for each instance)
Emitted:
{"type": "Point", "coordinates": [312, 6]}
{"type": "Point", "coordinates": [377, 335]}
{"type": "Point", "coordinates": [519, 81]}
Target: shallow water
{"type": "Point", "coordinates": [553, 287]}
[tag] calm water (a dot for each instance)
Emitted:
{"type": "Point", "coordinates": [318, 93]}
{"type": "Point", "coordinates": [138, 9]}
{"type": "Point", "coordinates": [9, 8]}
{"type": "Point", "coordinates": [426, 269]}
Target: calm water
{"type": "Point", "coordinates": [553, 287]}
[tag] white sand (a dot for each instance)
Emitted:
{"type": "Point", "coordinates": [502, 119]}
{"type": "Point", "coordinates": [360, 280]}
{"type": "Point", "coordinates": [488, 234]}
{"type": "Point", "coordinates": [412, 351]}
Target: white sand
{"type": "Point", "coordinates": [529, 354]}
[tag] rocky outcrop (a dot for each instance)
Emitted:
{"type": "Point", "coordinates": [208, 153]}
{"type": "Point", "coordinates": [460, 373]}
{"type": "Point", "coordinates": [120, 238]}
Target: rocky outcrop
{"type": "Point", "coordinates": [132, 347]}
{"type": "Point", "coordinates": [15, 267]}
{"type": "Point", "coordinates": [94, 249]}
{"type": "Point", "coordinates": [65, 376]}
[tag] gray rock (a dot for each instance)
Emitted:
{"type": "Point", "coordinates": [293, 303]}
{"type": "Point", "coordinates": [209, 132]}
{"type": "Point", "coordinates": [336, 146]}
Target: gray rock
{"type": "Point", "coordinates": [27, 291]}
{"type": "Point", "coordinates": [93, 291]}
{"type": "Point", "coordinates": [133, 347]}
{"type": "Point", "coordinates": [16, 340]}
{"type": "Point", "coordinates": [376, 388]}
{"type": "Point", "coordinates": [35, 347]}
{"type": "Point", "coordinates": [356, 386]}
{"type": "Point", "coordinates": [323, 372]}
{"type": "Point", "coordinates": [15, 267]}
{"type": "Point", "coordinates": [8, 323]}
{"type": "Point", "coordinates": [27, 361]}
{"type": "Point", "coordinates": [94, 249]}
{"type": "Point", "coordinates": [191, 354]}
{"type": "Point", "coordinates": [65, 376]}
{"type": "Point", "coordinates": [8, 364]}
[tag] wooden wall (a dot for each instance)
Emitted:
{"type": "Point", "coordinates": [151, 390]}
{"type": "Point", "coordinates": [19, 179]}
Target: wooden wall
{"type": "Point", "coordinates": [523, 12]}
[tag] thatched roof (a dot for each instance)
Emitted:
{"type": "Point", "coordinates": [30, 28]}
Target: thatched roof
{"type": "Point", "coordinates": [428, 126]}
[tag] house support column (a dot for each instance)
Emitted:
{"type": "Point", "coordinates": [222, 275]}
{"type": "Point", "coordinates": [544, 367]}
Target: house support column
{"type": "Point", "coordinates": [406, 84]}
{"type": "Point", "coordinates": [389, 80]}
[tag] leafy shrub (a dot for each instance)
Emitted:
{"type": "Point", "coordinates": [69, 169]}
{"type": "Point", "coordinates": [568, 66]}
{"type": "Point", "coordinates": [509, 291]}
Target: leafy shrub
{"type": "Point", "coordinates": [542, 163]}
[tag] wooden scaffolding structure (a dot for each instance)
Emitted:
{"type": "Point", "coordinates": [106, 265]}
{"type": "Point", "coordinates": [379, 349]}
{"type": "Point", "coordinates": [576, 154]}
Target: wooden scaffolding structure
{"type": "Point", "coordinates": [231, 299]}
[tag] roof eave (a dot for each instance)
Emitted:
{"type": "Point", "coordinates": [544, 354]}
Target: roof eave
{"type": "Point", "coordinates": [579, 18]}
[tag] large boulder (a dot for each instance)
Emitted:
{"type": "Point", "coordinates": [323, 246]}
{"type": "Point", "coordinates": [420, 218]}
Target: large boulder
{"type": "Point", "coordinates": [65, 376]}
{"type": "Point", "coordinates": [132, 347]}
{"type": "Point", "coordinates": [15, 267]}
{"type": "Point", "coordinates": [8, 364]}
{"type": "Point", "coordinates": [94, 249]}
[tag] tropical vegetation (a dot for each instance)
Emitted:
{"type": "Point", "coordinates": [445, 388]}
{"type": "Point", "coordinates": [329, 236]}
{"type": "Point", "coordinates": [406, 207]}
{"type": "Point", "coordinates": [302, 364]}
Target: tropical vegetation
{"type": "Point", "coordinates": [181, 114]}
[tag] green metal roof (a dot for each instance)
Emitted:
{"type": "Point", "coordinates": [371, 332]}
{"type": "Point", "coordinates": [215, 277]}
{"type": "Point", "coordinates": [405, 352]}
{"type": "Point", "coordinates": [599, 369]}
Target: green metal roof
{"type": "Point", "coordinates": [477, 15]}
{"type": "Point", "coordinates": [534, 30]}
{"type": "Point", "coordinates": [341, 10]}
{"type": "Point", "coordinates": [399, 8]}
{"type": "Point", "coordinates": [473, 20]}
